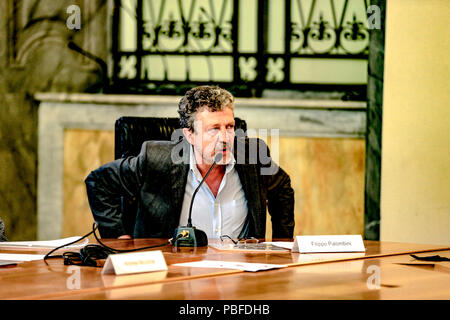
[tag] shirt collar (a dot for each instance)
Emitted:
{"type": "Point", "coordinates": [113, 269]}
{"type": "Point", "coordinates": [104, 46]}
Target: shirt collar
{"type": "Point", "coordinates": [193, 166]}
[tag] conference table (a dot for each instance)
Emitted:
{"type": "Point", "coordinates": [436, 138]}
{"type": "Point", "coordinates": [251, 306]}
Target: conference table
{"type": "Point", "coordinates": [385, 271]}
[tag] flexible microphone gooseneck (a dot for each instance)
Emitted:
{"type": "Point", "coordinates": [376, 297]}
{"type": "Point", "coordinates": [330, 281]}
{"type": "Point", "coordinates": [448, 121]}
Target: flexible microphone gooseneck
{"type": "Point", "coordinates": [190, 236]}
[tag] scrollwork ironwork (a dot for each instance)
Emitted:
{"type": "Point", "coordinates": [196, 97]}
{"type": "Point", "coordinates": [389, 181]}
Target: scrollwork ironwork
{"type": "Point", "coordinates": [172, 30]}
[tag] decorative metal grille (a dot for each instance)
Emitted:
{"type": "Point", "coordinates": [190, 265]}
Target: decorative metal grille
{"type": "Point", "coordinates": [247, 46]}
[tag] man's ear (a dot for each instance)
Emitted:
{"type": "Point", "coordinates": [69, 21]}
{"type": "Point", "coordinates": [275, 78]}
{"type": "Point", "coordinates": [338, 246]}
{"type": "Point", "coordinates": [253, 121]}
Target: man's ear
{"type": "Point", "coordinates": [189, 135]}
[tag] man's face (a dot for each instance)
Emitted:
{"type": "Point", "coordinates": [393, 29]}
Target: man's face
{"type": "Point", "coordinates": [213, 134]}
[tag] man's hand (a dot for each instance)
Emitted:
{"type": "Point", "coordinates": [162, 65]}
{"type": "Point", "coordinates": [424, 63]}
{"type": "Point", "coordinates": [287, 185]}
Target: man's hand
{"type": "Point", "coordinates": [125, 236]}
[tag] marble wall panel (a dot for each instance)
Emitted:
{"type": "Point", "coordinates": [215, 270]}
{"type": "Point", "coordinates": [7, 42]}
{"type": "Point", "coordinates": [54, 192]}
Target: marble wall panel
{"type": "Point", "coordinates": [35, 56]}
{"type": "Point", "coordinates": [18, 145]}
{"type": "Point", "coordinates": [84, 151]}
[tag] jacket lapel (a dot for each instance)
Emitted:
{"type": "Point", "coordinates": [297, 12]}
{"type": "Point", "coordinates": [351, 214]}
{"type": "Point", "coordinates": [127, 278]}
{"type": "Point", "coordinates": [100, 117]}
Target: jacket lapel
{"type": "Point", "coordinates": [178, 178]}
{"type": "Point", "coordinates": [248, 176]}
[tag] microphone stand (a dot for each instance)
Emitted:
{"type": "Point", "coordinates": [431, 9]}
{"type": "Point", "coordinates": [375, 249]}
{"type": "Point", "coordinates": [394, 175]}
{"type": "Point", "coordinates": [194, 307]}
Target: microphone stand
{"type": "Point", "coordinates": [189, 236]}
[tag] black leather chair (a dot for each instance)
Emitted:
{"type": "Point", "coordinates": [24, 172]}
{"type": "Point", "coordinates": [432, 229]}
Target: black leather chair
{"type": "Point", "coordinates": [130, 134]}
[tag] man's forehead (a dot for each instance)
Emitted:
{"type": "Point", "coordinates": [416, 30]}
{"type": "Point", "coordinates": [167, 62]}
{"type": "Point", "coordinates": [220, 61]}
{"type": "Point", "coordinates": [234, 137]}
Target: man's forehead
{"type": "Point", "coordinates": [207, 113]}
{"type": "Point", "coordinates": [212, 109]}
{"type": "Point", "coordinates": [210, 118]}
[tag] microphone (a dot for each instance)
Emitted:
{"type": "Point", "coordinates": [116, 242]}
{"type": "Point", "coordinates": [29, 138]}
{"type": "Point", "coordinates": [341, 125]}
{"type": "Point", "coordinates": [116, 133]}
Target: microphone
{"type": "Point", "coordinates": [189, 236]}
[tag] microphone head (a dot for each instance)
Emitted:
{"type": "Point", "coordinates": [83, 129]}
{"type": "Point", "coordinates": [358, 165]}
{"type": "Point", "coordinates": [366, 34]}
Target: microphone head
{"type": "Point", "coordinates": [218, 157]}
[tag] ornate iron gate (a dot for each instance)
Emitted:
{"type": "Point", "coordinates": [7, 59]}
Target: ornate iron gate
{"type": "Point", "coordinates": [247, 46]}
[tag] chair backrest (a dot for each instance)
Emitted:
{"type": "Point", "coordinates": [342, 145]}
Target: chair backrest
{"type": "Point", "coordinates": [130, 134]}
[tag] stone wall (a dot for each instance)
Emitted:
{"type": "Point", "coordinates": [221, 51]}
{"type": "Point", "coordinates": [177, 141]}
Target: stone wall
{"type": "Point", "coordinates": [35, 56]}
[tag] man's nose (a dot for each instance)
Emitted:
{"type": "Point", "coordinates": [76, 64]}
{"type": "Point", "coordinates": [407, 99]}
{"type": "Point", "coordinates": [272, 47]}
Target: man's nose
{"type": "Point", "coordinates": [225, 135]}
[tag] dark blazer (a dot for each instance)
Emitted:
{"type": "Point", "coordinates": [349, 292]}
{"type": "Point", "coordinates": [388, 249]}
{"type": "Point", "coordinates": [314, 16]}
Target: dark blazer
{"type": "Point", "coordinates": [157, 178]}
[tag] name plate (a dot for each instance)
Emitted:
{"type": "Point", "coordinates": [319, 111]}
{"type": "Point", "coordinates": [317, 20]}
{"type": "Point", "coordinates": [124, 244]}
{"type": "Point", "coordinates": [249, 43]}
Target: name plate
{"type": "Point", "coordinates": [134, 262]}
{"type": "Point", "coordinates": [328, 243]}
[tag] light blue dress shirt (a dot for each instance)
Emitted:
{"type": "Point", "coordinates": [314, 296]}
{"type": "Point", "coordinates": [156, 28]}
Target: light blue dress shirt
{"type": "Point", "coordinates": [216, 216]}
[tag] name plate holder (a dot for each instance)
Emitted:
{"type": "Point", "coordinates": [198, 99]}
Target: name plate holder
{"type": "Point", "coordinates": [134, 262]}
{"type": "Point", "coordinates": [328, 243]}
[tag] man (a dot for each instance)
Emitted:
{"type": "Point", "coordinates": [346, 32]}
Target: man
{"type": "Point", "coordinates": [164, 176]}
